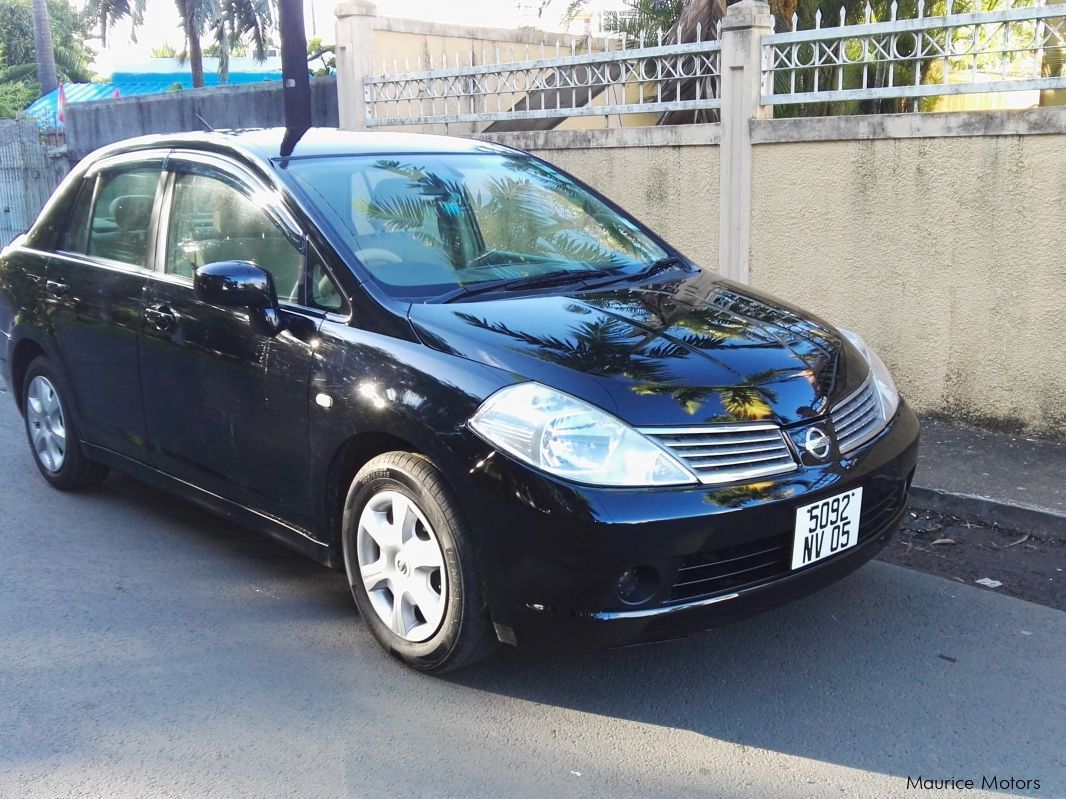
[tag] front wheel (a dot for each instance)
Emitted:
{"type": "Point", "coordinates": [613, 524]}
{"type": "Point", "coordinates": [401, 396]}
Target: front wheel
{"type": "Point", "coordinates": [51, 430]}
{"type": "Point", "coordinates": [412, 567]}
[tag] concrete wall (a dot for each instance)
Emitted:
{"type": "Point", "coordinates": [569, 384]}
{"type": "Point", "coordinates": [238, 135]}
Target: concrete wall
{"type": "Point", "coordinates": [92, 125]}
{"type": "Point", "coordinates": [947, 251]}
{"type": "Point", "coordinates": [665, 177]}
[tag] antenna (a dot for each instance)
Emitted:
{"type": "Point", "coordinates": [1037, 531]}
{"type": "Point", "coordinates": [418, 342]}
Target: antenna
{"type": "Point", "coordinates": [203, 122]}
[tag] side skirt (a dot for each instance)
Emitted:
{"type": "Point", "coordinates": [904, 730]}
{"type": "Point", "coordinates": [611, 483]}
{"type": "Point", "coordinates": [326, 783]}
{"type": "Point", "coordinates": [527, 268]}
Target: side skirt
{"type": "Point", "coordinates": [293, 537]}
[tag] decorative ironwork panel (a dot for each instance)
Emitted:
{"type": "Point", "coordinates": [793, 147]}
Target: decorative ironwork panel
{"type": "Point", "coordinates": [639, 79]}
{"type": "Point", "coordinates": [992, 51]}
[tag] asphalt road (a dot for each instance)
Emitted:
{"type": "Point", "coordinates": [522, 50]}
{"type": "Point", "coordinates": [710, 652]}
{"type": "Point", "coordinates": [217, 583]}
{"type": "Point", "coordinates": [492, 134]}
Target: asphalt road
{"type": "Point", "coordinates": [148, 649]}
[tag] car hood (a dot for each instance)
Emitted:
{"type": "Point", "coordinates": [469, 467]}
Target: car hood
{"type": "Point", "coordinates": [684, 351]}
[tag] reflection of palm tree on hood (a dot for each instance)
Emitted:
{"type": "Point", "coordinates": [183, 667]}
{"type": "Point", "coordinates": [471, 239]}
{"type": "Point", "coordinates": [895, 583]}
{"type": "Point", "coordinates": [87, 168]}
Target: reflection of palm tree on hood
{"type": "Point", "coordinates": [616, 348]}
{"type": "Point", "coordinates": [612, 346]}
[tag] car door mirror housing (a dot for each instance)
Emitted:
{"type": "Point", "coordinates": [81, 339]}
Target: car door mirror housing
{"type": "Point", "coordinates": [241, 284]}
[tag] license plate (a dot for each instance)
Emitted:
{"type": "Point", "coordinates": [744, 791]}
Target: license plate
{"type": "Point", "coordinates": [826, 527]}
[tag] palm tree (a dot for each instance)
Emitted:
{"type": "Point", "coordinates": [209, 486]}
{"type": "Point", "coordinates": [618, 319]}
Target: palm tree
{"type": "Point", "coordinates": [229, 21]}
{"type": "Point", "coordinates": [42, 40]}
{"type": "Point", "coordinates": [236, 21]}
{"type": "Point", "coordinates": [108, 12]}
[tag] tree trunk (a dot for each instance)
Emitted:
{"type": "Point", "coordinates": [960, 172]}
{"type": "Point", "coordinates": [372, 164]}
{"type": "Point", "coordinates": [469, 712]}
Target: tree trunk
{"type": "Point", "coordinates": [196, 57]}
{"type": "Point", "coordinates": [42, 40]}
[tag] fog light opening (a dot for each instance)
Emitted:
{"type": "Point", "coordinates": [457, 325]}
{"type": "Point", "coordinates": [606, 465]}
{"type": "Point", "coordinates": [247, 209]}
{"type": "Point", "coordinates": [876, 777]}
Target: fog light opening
{"type": "Point", "coordinates": [638, 584]}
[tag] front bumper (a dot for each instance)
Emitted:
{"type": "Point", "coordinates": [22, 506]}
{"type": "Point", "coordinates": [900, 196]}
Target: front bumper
{"type": "Point", "coordinates": [552, 552]}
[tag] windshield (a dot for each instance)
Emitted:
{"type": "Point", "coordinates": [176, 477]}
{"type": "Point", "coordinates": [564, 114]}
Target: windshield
{"type": "Point", "coordinates": [427, 224]}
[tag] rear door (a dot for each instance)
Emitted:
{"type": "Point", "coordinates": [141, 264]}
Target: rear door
{"type": "Point", "coordinates": [94, 293]}
{"type": "Point", "coordinates": [227, 407]}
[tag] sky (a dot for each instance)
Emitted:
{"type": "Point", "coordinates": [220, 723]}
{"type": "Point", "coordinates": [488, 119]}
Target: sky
{"type": "Point", "coordinates": [162, 24]}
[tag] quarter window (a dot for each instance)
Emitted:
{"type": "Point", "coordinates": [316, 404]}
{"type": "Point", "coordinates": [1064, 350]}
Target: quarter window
{"type": "Point", "coordinates": [212, 220]}
{"type": "Point", "coordinates": [122, 215]}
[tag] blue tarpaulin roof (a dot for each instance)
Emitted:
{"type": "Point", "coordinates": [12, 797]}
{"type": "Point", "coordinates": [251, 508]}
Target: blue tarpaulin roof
{"type": "Point", "coordinates": [45, 109]}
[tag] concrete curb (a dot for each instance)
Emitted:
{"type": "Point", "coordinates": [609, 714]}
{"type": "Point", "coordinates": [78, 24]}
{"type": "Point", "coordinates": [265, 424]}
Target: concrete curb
{"type": "Point", "coordinates": [1041, 522]}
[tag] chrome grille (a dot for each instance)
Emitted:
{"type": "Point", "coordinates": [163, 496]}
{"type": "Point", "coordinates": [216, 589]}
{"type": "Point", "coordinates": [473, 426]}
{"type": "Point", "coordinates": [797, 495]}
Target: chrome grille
{"type": "Point", "coordinates": [724, 453]}
{"type": "Point", "coordinates": [858, 418]}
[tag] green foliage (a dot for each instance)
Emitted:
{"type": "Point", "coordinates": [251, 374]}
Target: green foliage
{"type": "Point", "coordinates": [165, 50]}
{"type": "Point", "coordinates": [324, 54]}
{"type": "Point", "coordinates": [69, 32]}
{"type": "Point", "coordinates": [647, 16]}
{"type": "Point", "coordinates": [15, 96]}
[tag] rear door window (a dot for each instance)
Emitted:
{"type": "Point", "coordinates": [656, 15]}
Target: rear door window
{"type": "Point", "coordinates": [121, 220]}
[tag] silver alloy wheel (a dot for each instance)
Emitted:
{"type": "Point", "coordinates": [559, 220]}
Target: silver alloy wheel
{"type": "Point", "coordinates": [44, 418]}
{"type": "Point", "coordinates": [402, 566]}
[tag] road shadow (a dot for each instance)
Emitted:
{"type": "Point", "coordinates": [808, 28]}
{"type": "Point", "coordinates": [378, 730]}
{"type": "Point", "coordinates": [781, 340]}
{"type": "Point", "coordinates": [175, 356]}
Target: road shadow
{"type": "Point", "coordinates": [889, 671]}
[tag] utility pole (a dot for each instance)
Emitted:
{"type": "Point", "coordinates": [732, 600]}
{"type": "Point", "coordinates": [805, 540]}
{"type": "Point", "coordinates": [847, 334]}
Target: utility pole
{"type": "Point", "coordinates": [297, 91]}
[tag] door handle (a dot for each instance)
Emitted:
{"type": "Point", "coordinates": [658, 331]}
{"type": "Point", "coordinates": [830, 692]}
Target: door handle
{"type": "Point", "coordinates": [160, 316]}
{"type": "Point", "coordinates": [57, 289]}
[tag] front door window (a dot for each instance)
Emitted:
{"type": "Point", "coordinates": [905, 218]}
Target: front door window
{"type": "Point", "coordinates": [213, 220]}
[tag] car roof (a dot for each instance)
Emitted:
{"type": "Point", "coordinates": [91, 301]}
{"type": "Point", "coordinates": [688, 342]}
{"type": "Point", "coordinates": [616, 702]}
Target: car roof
{"type": "Point", "coordinates": [270, 144]}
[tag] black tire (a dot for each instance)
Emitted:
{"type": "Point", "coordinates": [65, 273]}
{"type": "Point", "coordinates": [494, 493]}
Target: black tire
{"type": "Point", "coordinates": [76, 471]}
{"type": "Point", "coordinates": [465, 634]}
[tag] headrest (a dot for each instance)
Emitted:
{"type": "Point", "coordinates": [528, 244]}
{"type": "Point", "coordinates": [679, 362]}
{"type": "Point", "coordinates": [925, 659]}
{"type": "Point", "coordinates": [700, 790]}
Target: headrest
{"type": "Point", "coordinates": [132, 211]}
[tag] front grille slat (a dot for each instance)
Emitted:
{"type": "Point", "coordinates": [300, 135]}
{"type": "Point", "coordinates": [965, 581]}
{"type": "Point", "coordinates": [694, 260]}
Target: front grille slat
{"type": "Point", "coordinates": [716, 451]}
{"type": "Point", "coordinates": [857, 418]}
{"type": "Point", "coordinates": [741, 566]}
{"type": "Point", "coordinates": [711, 439]}
{"type": "Point", "coordinates": [728, 453]}
{"type": "Point", "coordinates": [718, 460]}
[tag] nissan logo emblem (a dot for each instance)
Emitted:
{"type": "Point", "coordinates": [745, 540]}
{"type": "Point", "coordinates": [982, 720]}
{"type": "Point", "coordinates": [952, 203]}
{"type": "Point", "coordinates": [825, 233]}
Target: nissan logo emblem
{"type": "Point", "coordinates": [817, 443]}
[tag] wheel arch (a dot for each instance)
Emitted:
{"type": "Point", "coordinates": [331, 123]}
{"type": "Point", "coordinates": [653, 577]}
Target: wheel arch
{"type": "Point", "coordinates": [346, 462]}
{"type": "Point", "coordinates": [23, 354]}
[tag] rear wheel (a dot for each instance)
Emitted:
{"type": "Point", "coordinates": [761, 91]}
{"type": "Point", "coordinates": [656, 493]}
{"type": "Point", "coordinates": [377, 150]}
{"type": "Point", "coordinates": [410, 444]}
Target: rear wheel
{"type": "Point", "coordinates": [52, 433]}
{"type": "Point", "coordinates": [411, 565]}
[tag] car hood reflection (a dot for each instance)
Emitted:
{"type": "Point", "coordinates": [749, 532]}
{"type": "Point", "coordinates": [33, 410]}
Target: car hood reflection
{"type": "Point", "coordinates": [688, 351]}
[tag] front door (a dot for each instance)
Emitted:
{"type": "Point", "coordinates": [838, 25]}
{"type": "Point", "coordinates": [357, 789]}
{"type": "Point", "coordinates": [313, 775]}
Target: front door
{"type": "Point", "coordinates": [226, 406]}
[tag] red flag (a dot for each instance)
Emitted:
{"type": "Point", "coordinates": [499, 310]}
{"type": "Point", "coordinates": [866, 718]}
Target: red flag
{"type": "Point", "coordinates": [61, 103]}
{"type": "Point", "coordinates": [115, 93]}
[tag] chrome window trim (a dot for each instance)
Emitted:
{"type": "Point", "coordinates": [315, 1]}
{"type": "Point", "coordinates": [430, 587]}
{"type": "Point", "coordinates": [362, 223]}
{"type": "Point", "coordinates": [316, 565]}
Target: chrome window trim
{"type": "Point", "coordinates": [88, 260]}
{"type": "Point", "coordinates": [125, 159]}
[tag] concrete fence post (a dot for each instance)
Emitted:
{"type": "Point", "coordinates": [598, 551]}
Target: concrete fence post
{"type": "Point", "coordinates": [743, 28]}
{"type": "Point", "coordinates": [355, 60]}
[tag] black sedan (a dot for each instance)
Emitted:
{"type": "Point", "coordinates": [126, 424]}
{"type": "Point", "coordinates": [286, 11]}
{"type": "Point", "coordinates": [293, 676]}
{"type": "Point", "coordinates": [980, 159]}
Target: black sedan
{"type": "Point", "coordinates": [507, 409]}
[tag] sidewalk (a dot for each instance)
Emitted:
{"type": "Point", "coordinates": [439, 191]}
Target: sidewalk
{"type": "Point", "coordinates": [992, 477]}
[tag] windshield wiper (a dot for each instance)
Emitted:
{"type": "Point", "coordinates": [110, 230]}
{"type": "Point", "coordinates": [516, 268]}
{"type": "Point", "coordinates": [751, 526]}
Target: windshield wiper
{"type": "Point", "coordinates": [667, 264]}
{"type": "Point", "coordinates": [518, 283]}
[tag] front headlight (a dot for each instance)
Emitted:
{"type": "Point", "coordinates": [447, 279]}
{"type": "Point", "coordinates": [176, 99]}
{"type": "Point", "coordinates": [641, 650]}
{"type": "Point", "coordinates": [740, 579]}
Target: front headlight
{"type": "Point", "coordinates": [886, 386]}
{"type": "Point", "coordinates": [570, 438]}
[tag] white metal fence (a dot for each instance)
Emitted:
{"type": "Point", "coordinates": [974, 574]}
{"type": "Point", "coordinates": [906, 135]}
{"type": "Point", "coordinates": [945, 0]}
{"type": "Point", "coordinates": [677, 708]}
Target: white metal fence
{"type": "Point", "coordinates": [1011, 49]}
{"type": "Point", "coordinates": [993, 51]}
{"type": "Point", "coordinates": [643, 75]}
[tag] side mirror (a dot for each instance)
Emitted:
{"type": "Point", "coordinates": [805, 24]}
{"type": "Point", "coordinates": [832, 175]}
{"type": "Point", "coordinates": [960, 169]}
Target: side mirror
{"type": "Point", "coordinates": [240, 284]}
